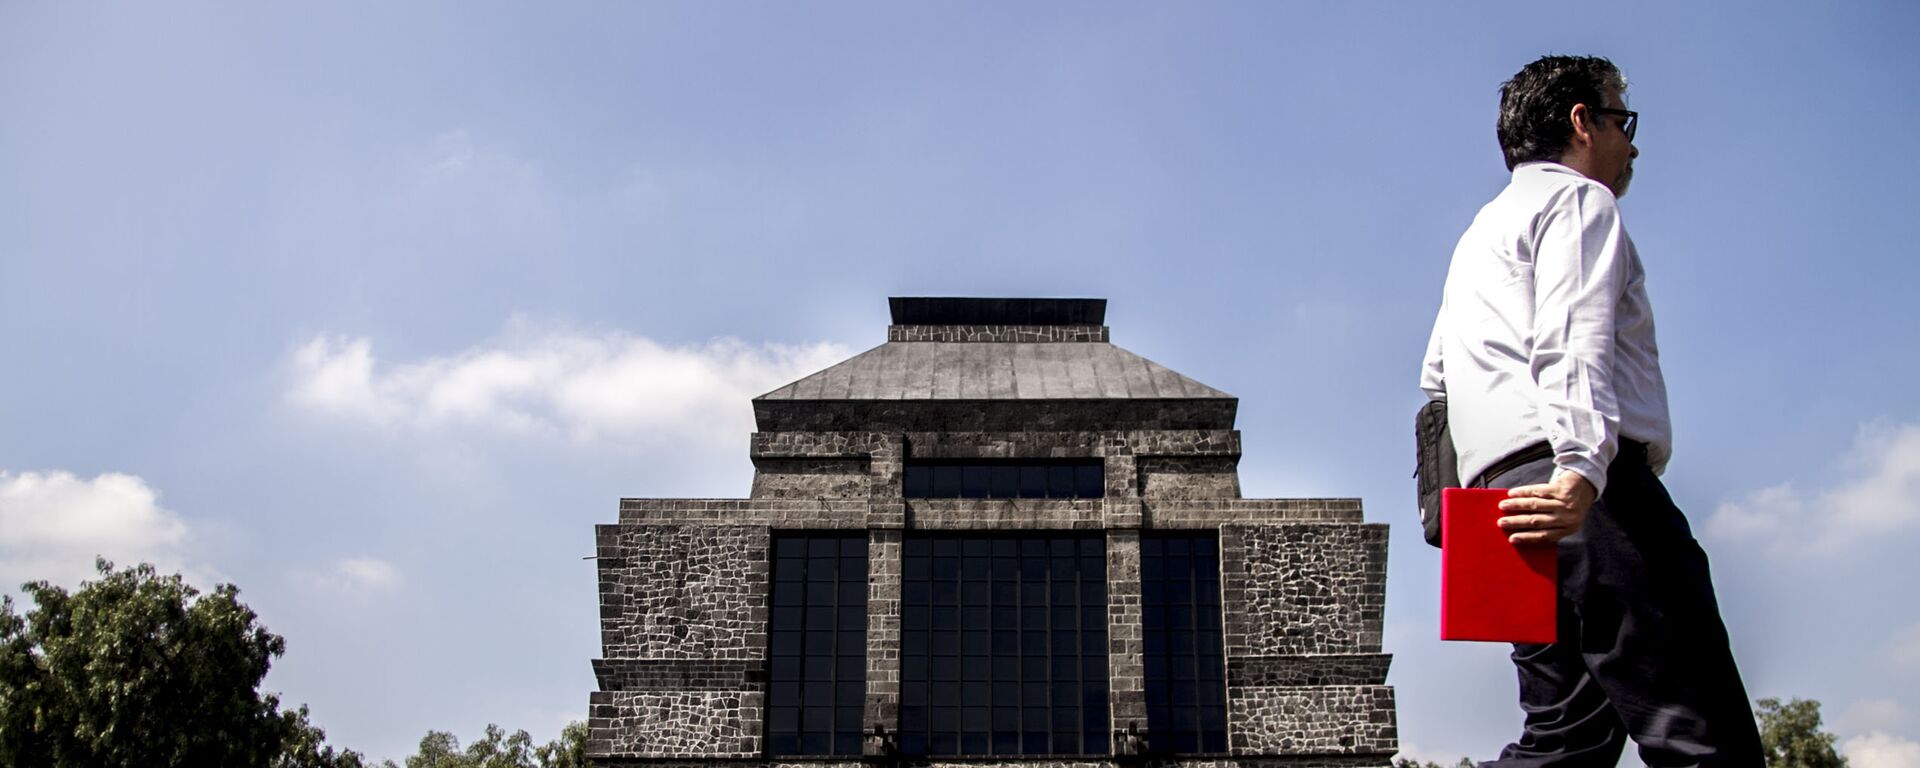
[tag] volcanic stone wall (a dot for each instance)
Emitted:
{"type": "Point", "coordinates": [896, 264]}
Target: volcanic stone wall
{"type": "Point", "coordinates": [685, 583]}
{"type": "Point", "coordinates": [804, 478]}
{"type": "Point", "coordinates": [1189, 477]}
{"type": "Point", "coordinates": [1304, 669]}
{"type": "Point", "coordinates": [685, 587]}
{"type": "Point", "coordinates": [684, 619]}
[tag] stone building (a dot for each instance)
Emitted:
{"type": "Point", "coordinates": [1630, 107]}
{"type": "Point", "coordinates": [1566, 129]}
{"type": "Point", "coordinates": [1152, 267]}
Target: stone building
{"type": "Point", "coordinates": [996, 539]}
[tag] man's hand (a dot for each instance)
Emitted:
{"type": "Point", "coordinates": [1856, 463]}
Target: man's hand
{"type": "Point", "coordinates": [1549, 512]}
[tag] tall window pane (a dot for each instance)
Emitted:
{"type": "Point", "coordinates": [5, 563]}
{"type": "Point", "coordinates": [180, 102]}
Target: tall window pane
{"type": "Point", "coordinates": [1003, 645]}
{"type": "Point", "coordinates": [1185, 669]}
{"type": "Point", "coordinates": [817, 644]}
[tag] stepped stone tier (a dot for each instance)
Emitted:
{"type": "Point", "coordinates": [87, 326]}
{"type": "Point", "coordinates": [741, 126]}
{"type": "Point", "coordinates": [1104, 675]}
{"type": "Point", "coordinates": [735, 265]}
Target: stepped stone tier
{"type": "Point", "coordinates": [995, 539]}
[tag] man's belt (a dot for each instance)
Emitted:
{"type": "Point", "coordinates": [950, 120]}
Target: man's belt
{"type": "Point", "coordinates": [1633, 449]}
{"type": "Point", "coordinates": [1507, 463]}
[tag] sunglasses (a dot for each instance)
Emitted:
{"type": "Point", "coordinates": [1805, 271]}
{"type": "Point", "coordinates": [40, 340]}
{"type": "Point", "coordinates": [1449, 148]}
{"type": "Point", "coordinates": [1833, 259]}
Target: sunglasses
{"type": "Point", "coordinates": [1633, 118]}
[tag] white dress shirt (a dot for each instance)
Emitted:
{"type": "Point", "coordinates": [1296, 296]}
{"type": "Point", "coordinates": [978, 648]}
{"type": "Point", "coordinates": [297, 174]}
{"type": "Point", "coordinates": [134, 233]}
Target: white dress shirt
{"type": "Point", "coordinates": [1545, 333]}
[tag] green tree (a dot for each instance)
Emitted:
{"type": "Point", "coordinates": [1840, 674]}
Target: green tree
{"type": "Point", "coordinates": [307, 747]}
{"type": "Point", "coordinates": [139, 669]}
{"type": "Point", "coordinates": [1408, 762]}
{"type": "Point", "coordinates": [568, 751]}
{"type": "Point", "coordinates": [498, 749]}
{"type": "Point", "coordinates": [1791, 735]}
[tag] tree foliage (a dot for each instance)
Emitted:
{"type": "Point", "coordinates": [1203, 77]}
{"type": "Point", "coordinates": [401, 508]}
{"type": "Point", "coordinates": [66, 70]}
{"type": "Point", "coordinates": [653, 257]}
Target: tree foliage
{"type": "Point", "coordinates": [1792, 737]}
{"type": "Point", "coordinates": [140, 669]}
{"type": "Point", "coordinates": [497, 749]}
{"type": "Point", "coordinates": [1408, 762]}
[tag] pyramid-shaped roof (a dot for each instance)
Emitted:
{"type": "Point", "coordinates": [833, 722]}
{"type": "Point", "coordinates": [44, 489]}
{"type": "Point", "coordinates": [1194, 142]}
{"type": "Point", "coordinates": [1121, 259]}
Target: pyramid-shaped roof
{"type": "Point", "coordinates": [942, 348]}
{"type": "Point", "coordinates": [936, 370]}
{"type": "Point", "coordinates": [967, 364]}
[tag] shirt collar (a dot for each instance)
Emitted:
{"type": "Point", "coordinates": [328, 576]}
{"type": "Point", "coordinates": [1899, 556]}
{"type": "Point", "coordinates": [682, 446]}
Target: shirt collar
{"type": "Point", "coordinates": [1544, 166]}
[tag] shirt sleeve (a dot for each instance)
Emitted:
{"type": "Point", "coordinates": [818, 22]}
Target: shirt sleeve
{"type": "Point", "coordinates": [1433, 370]}
{"type": "Point", "coordinates": [1581, 265]}
{"type": "Point", "coordinates": [1657, 456]}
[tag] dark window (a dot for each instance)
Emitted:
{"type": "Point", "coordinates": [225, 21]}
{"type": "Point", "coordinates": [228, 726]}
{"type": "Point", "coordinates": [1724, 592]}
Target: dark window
{"type": "Point", "coordinates": [988, 479]}
{"type": "Point", "coordinates": [817, 644]}
{"type": "Point", "coordinates": [1004, 645]}
{"type": "Point", "coordinates": [1180, 607]}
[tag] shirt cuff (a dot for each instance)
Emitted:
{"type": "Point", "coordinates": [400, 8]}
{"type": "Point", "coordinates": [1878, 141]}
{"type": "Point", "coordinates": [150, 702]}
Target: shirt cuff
{"type": "Point", "coordinates": [1585, 467]}
{"type": "Point", "coordinates": [1657, 457]}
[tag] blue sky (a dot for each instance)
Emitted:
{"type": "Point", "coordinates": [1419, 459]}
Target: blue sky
{"type": "Point", "coordinates": [375, 310]}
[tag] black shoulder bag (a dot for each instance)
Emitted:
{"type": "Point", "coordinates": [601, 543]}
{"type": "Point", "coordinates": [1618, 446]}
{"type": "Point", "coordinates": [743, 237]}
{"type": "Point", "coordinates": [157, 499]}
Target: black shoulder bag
{"type": "Point", "coordinates": [1436, 466]}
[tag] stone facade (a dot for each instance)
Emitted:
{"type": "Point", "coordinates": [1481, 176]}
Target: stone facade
{"type": "Point", "coordinates": [717, 724]}
{"type": "Point", "coordinates": [1323, 719]}
{"type": "Point", "coordinates": [685, 584]}
{"type": "Point", "coordinates": [683, 592]}
{"type": "Point", "coordinates": [1189, 477]}
{"type": "Point", "coordinates": [808, 478]}
{"type": "Point", "coordinates": [1305, 588]}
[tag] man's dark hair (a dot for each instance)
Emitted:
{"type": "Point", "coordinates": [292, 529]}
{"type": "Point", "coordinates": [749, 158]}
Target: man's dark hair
{"type": "Point", "coordinates": [1534, 104]}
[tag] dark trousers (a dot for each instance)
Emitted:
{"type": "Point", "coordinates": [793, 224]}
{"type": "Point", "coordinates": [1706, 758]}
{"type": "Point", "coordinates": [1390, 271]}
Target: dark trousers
{"type": "Point", "coordinates": [1642, 652]}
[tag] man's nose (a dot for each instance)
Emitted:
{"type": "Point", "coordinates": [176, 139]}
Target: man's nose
{"type": "Point", "coordinates": [1633, 151]}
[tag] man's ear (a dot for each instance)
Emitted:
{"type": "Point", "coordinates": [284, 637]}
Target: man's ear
{"type": "Point", "coordinates": [1582, 119]}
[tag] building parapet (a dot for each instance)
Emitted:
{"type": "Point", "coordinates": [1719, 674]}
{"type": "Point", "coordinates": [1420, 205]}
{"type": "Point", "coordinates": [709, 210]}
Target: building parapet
{"type": "Point", "coordinates": [1031, 334]}
{"type": "Point", "coordinates": [1020, 513]}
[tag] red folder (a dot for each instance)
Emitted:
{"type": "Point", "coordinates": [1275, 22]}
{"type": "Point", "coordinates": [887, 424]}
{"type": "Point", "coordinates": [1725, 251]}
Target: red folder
{"type": "Point", "coordinates": [1489, 588]}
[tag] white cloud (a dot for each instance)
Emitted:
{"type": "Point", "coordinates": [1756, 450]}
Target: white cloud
{"type": "Point", "coordinates": [359, 575]}
{"type": "Point", "coordinates": [53, 525]}
{"type": "Point", "coordinates": [1763, 513]}
{"type": "Point", "coordinates": [1879, 495]}
{"type": "Point", "coordinates": [1881, 750]}
{"type": "Point", "coordinates": [611, 386]}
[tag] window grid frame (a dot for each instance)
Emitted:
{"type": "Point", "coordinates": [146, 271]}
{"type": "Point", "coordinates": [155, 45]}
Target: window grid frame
{"type": "Point", "coordinates": [1162, 591]}
{"type": "Point", "coordinates": [845, 673]}
{"type": "Point", "coordinates": [923, 689]}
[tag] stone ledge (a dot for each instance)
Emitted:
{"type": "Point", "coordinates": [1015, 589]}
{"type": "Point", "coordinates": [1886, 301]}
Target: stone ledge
{"type": "Point", "coordinates": [1025, 444]}
{"type": "Point", "coordinates": [772, 513]}
{"type": "Point", "coordinates": [1005, 514]}
{"type": "Point", "coordinates": [841, 444]}
{"type": "Point", "coordinates": [1213, 513]}
{"type": "Point", "coordinates": [984, 415]}
{"type": "Point", "coordinates": [852, 513]}
{"type": "Point", "coordinates": [679, 675]}
{"type": "Point", "coordinates": [1008, 444]}
{"type": "Point", "coordinates": [1309, 669]}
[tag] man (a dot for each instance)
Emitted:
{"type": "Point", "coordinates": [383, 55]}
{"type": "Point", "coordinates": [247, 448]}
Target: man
{"type": "Point", "coordinates": [1544, 350]}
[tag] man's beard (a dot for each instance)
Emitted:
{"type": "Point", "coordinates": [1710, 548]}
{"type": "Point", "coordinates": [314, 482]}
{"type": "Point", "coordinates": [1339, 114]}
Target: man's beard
{"type": "Point", "coordinates": [1620, 186]}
